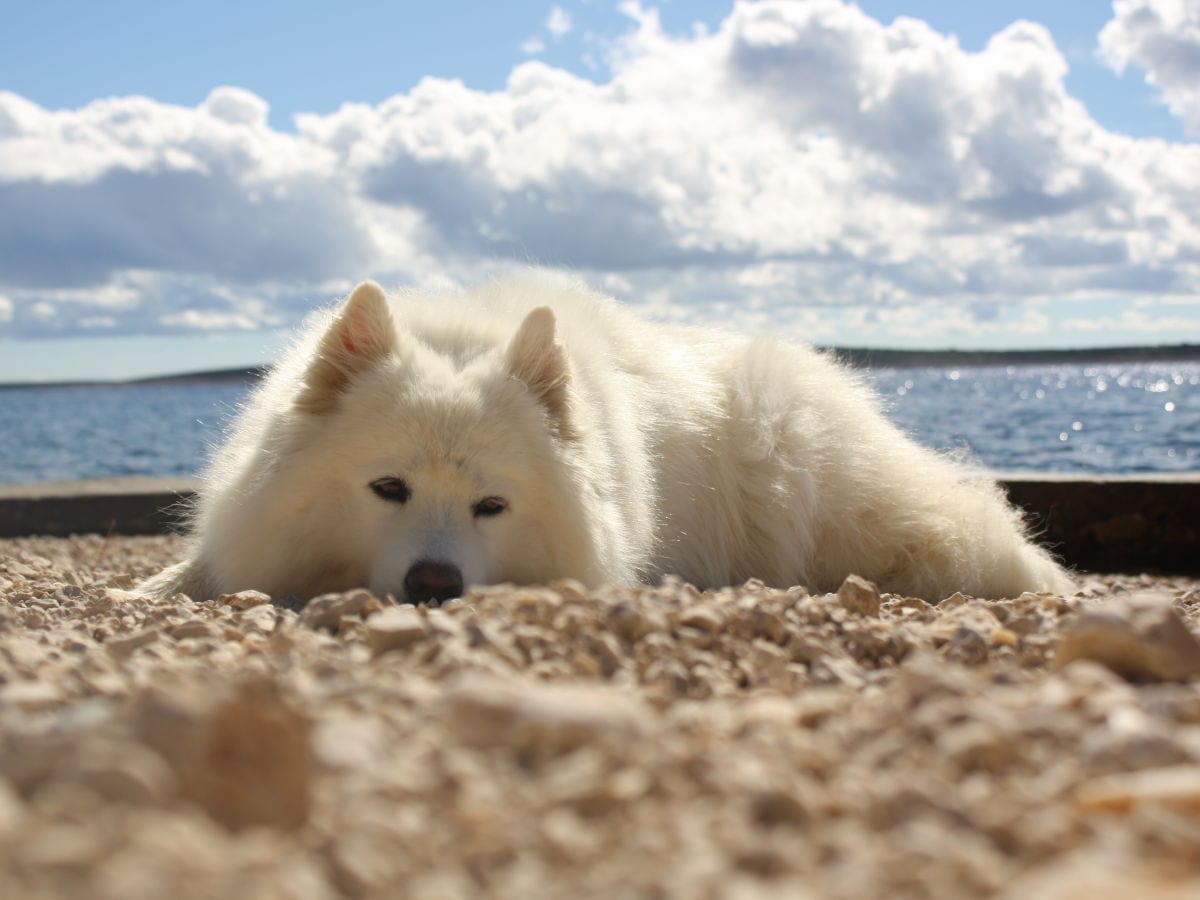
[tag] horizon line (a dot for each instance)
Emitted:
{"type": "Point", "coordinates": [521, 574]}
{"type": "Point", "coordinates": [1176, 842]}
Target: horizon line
{"type": "Point", "coordinates": [867, 357]}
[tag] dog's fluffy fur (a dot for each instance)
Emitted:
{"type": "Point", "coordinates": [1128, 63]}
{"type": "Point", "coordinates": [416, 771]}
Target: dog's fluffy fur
{"type": "Point", "coordinates": [616, 449]}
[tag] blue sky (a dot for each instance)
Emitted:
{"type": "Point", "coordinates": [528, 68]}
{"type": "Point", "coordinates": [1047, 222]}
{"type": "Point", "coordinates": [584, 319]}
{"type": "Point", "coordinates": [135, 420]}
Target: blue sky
{"type": "Point", "coordinates": [313, 57]}
{"type": "Point", "coordinates": [810, 168]}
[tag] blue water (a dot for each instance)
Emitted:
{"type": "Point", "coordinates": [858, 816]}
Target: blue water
{"type": "Point", "coordinates": [1067, 418]}
{"type": "Point", "coordinates": [1081, 419]}
{"type": "Point", "coordinates": [52, 434]}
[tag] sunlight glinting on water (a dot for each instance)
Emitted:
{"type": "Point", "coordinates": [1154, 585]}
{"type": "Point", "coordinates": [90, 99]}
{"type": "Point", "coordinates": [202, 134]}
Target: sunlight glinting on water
{"type": "Point", "coordinates": [1070, 419]}
{"type": "Point", "coordinates": [1110, 418]}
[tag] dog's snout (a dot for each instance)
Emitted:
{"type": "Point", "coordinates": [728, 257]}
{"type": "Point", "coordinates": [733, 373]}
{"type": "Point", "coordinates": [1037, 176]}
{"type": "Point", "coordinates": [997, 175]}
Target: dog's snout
{"type": "Point", "coordinates": [432, 582]}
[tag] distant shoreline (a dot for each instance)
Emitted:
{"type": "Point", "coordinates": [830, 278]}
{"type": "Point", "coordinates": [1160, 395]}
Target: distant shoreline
{"type": "Point", "coordinates": [859, 357]}
{"type": "Point", "coordinates": [866, 357]}
{"type": "Point", "coordinates": [245, 374]}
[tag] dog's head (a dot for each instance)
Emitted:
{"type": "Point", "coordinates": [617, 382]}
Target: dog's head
{"type": "Point", "coordinates": [422, 464]}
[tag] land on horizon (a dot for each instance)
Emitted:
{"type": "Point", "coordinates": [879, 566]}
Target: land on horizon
{"type": "Point", "coordinates": [858, 357]}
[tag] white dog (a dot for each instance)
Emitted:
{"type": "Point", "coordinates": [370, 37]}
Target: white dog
{"type": "Point", "coordinates": [532, 430]}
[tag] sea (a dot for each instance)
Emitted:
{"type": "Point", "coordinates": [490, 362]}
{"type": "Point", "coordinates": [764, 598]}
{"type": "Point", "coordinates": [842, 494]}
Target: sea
{"type": "Point", "coordinates": [1083, 419]}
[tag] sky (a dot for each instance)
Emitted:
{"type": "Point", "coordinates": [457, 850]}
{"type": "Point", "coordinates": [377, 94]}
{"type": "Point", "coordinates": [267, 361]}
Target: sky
{"type": "Point", "coordinates": [181, 183]}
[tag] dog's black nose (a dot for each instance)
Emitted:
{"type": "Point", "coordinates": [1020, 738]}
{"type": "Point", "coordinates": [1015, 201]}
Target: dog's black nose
{"type": "Point", "coordinates": [432, 582]}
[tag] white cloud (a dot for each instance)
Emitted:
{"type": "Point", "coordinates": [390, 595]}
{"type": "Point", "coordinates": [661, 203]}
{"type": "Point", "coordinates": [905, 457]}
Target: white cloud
{"type": "Point", "coordinates": [533, 45]}
{"type": "Point", "coordinates": [1134, 321]}
{"type": "Point", "coordinates": [558, 22]}
{"type": "Point", "coordinates": [131, 184]}
{"type": "Point", "coordinates": [236, 106]}
{"type": "Point", "coordinates": [200, 320]}
{"type": "Point", "coordinates": [881, 159]}
{"type": "Point", "coordinates": [1162, 37]}
{"type": "Point", "coordinates": [557, 26]}
{"type": "Point", "coordinates": [798, 160]}
{"type": "Point", "coordinates": [6, 309]}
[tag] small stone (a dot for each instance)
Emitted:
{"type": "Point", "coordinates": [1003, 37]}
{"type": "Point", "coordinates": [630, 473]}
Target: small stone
{"type": "Point", "coordinates": [1138, 637]}
{"type": "Point", "coordinates": [1172, 787]}
{"type": "Point", "coordinates": [703, 618]}
{"type": "Point", "coordinates": [954, 601]}
{"type": "Point", "coordinates": [12, 812]}
{"type": "Point", "coordinates": [349, 742]}
{"type": "Point", "coordinates": [585, 664]}
{"type": "Point", "coordinates": [605, 649]}
{"type": "Point", "coordinates": [859, 596]}
{"type": "Point", "coordinates": [64, 847]}
{"type": "Point", "coordinates": [552, 719]}
{"type": "Point", "coordinates": [1028, 623]}
{"type": "Point", "coordinates": [779, 807]}
{"type": "Point", "coordinates": [192, 628]}
{"type": "Point", "coordinates": [20, 569]}
{"type": "Point", "coordinates": [243, 600]}
{"type": "Point", "coordinates": [114, 597]}
{"type": "Point", "coordinates": [122, 647]}
{"type": "Point", "coordinates": [974, 616]}
{"type": "Point", "coordinates": [967, 646]}
{"type": "Point", "coordinates": [1124, 749]}
{"type": "Point", "coordinates": [1004, 637]}
{"type": "Point", "coordinates": [631, 623]}
{"type": "Point", "coordinates": [978, 746]}
{"type": "Point", "coordinates": [570, 590]}
{"type": "Point", "coordinates": [361, 866]}
{"type": "Point", "coordinates": [394, 629]}
{"type": "Point", "coordinates": [123, 772]}
{"type": "Point", "coordinates": [30, 695]}
{"type": "Point", "coordinates": [838, 670]}
{"type": "Point", "coordinates": [258, 619]}
{"type": "Point", "coordinates": [24, 653]}
{"type": "Point", "coordinates": [241, 752]}
{"type": "Point", "coordinates": [327, 611]}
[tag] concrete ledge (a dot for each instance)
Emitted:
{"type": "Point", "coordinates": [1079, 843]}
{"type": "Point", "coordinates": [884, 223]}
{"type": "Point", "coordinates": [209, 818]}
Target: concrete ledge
{"type": "Point", "coordinates": [98, 506]}
{"type": "Point", "coordinates": [1136, 523]}
{"type": "Point", "coordinates": [1108, 524]}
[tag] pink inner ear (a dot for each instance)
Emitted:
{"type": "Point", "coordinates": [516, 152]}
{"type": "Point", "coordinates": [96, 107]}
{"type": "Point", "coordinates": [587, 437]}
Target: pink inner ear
{"type": "Point", "coordinates": [354, 333]}
{"type": "Point", "coordinates": [549, 370]}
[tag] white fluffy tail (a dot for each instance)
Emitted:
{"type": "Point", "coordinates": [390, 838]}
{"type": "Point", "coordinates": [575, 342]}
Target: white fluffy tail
{"type": "Point", "coordinates": [186, 577]}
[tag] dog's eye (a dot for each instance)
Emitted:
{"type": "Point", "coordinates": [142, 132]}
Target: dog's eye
{"type": "Point", "coordinates": [490, 506]}
{"type": "Point", "coordinates": [394, 490]}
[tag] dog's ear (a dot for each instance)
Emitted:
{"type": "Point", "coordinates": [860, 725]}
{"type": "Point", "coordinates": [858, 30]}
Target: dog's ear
{"type": "Point", "coordinates": [361, 334]}
{"type": "Point", "coordinates": [538, 358]}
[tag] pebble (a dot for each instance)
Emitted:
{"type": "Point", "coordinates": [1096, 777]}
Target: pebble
{"type": "Point", "coordinates": [704, 619]}
{"type": "Point", "coordinates": [349, 742]}
{"type": "Point", "coordinates": [859, 596]}
{"type": "Point", "coordinates": [123, 647]}
{"type": "Point", "coordinates": [1169, 787]}
{"type": "Point", "coordinates": [64, 846]}
{"type": "Point", "coordinates": [632, 623]}
{"type": "Point", "coordinates": [258, 619]}
{"type": "Point", "coordinates": [973, 616]}
{"type": "Point", "coordinates": [395, 628]}
{"type": "Point", "coordinates": [12, 812]}
{"type": "Point", "coordinates": [244, 600]}
{"type": "Point", "coordinates": [648, 741]}
{"type": "Point", "coordinates": [31, 695]}
{"type": "Point", "coordinates": [544, 718]}
{"type": "Point", "coordinates": [967, 646]}
{"type": "Point", "coordinates": [242, 752]}
{"type": "Point", "coordinates": [192, 628]}
{"type": "Point", "coordinates": [327, 611]}
{"type": "Point", "coordinates": [1140, 637]}
{"type": "Point", "coordinates": [120, 771]}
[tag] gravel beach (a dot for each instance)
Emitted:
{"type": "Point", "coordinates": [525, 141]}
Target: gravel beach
{"type": "Point", "coordinates": [558, 742]}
